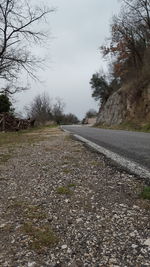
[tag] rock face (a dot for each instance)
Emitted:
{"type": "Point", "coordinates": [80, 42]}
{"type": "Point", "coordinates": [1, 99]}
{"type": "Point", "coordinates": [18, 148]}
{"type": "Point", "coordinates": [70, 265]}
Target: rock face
{"type": "Point", "coordinates": [123, 105]}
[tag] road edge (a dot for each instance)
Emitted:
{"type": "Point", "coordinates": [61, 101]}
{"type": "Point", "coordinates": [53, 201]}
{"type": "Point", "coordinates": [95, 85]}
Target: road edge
{"type": "Point", "coordinates": [129, 165]}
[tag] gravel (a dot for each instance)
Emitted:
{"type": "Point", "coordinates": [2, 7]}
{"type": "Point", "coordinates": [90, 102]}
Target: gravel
{"type": "Point", "coordinates": [64, 205]}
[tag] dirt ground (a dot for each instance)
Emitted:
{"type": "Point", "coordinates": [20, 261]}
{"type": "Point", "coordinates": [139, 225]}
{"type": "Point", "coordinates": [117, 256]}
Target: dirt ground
{"type": "Point", "coordinates": [62, 204]}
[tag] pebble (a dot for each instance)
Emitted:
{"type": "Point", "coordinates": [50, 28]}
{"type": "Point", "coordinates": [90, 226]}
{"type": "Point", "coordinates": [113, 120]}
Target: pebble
{"type": "Point", "coordinates": [31, 264]}
{"type": "Point", "coordinates": [147, 242]}
{"type": "Point", "coordinates": [134, 246]}
{"type": "Point", "coordinates": [64, 246]}
{"type": "Point", "coordinates": [78, 220]}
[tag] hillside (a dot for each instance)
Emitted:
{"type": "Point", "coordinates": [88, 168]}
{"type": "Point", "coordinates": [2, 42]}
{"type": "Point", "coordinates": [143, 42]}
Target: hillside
{"type": "Point", "coordinates": [123, 106]}
{"type": "Point", "coordinates": [124, 92]}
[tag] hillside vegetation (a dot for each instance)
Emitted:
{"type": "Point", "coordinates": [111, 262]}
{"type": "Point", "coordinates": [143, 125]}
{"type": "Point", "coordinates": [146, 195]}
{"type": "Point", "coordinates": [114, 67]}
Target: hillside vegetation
{"type": "Point", "coordinates": [124, 93]}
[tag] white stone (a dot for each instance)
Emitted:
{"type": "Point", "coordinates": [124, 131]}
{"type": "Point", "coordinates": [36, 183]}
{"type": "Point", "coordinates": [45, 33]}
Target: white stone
{"type": "Point", "coordinates": [79, 220]}
{"type": "Point", "coordinates": [136, 207]}
{"type": "Point", "coordinates": [3, 225]}
{"type": "Point", "coordinates": [69, 251]}
{"type": "Point", "coordinates": [116, 216]}
{"type": "Point", "coordinates": [112, 260]}
{"type": "Point", "coordinates": [64, 246]}
{"type": "Point", "coordinates": [132, 234]}
{"type": "Point", "coordinates": [134, 246]}
{"type": "Point", "coordinates": [123, 205]}
{"type": "Point", "coordinates": [31, 264]}
{"type": "Point", "coordinates": [147, 242]}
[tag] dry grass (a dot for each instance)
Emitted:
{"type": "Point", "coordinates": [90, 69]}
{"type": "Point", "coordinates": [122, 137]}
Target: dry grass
{"type": "Point", "coordinates": [4, 158]}
{"type": "Point", "coordinates": [64, 190]}
{"type": "Point", "coordinates": [40, 236]}
{"type": "Point", "coordinates": [29, 136]}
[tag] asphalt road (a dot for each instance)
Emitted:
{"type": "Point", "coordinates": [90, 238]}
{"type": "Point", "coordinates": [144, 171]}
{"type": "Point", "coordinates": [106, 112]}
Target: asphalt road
{"type": "Point", "coordinates": [134, 146]}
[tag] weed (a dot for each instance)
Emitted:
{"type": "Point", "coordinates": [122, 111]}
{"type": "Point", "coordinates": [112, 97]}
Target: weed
{"type": "Point", "coordinates": [29, 211]}
{"type": "Point", "coordinates": [146, 193]}
{"type": "Point", "coordinates": [97, 163]}
{"type": "Point", "coordinates": [4, 157]}
{"type": "Point", "coordinates": [40, 237]}
{"type": "Point", "coordinates": [18, 204]}
{"type": "Point", "coordinates": [69, 158]}
{"type": "Point", "coordinates": [66, 171]}
{"type": "Point", "coordinates": [63, 190]}
{"type": "Point", "coordinates": [67, 138]}
{"type": "Point", "coordinates": [78, 150]}
{"type": "Point", "coordinates": [6, 228]}
{"type": "Point", "coordinates": [71, 185]}
{"type": "Point", "coordinates": [33, 212]}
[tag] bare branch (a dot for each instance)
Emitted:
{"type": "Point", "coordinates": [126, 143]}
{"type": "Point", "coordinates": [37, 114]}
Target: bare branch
{"type": "Point", "coordinates": [17, 20]}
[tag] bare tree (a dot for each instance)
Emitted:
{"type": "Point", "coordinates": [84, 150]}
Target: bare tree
{"type": "Point", "coordinates": [17, 33]}
{"type": "Point", "coordinates": [40, 108]}
{"type": "Point", "coordinates": [58, 110]}
{"type": "Point", "coordinates": [130, 40]}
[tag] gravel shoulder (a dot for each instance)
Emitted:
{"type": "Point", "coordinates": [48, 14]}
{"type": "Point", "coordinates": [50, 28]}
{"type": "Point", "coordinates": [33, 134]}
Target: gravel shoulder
{"type": "Point", "coordinates": [64, 205]}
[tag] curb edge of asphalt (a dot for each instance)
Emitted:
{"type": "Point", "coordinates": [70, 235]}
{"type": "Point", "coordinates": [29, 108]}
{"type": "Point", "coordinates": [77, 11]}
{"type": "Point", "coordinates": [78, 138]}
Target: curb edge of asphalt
{"type": "Point", "coordinates": [129, 165]}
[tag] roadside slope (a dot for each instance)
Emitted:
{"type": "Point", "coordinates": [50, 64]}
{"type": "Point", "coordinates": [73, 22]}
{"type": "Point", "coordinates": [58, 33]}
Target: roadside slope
{"type": "Point", "coordinates": [63, 205]}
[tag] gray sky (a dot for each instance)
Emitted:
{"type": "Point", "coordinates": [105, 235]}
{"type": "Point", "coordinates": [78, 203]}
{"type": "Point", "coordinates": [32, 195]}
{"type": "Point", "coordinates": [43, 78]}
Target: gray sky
{"type": "Point", "coordinates": [78, 28]}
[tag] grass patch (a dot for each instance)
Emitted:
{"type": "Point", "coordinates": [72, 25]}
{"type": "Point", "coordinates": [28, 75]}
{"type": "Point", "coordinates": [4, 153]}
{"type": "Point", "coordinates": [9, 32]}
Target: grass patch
{"type": "Point", "coordinates": [78, 150]}
{"type": "Point", "coordinates": [6, 228]}
{"type": "Point", "coordinates": [71, 185]}
{"type": "Point", "coordinates": [4, 158]}
{"type": "Point", "coordinates": [66, 171]}
{"type": "Point", "coordinates": [69, 158]}
{"type": "Point", "coordinates": [146, 193]}
{"type": "Point", "coordinates": [17, 205]}
{"type": "Point", "coordinates": [67, 138]}
{"type": "Point", "coordinates": [7, 139]}
{"type": "Point", "coordinates": [64, 190]}
{"type": "Point", "coordinates": [33, 212]}
{"type": "Point", "coordinates": [29, 136]}
{"type": "Point", "coordinates": [97, 163]}
{"type": "Point", "coordinates": [29, 211]}
{"type": "Point", "coordinates": [40, 236]}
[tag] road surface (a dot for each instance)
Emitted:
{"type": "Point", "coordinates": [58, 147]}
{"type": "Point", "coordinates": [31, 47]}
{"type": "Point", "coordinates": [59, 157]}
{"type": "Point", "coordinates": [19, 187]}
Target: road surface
{"type": "Point", "coordinates": [134, 146]}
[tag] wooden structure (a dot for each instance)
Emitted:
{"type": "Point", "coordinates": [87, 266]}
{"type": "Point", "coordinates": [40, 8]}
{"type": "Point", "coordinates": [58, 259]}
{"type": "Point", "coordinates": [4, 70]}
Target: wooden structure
{"type": "Point", "coordinates": [9, 123]}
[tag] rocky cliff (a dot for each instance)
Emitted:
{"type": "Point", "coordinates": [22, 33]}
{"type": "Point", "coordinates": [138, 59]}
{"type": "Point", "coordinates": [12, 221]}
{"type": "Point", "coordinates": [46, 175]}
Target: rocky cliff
{"type": "Point", "coordinates": [126, 105]}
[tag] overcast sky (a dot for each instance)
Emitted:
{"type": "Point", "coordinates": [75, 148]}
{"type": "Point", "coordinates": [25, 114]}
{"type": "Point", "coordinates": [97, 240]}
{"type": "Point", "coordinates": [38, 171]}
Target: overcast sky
{"type": "Point", "coordinates": [78, 28]}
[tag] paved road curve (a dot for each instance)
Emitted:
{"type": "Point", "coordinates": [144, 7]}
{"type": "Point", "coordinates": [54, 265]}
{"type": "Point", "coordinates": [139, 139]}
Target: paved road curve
{"type": "Point", "coordinates": [134, 146]}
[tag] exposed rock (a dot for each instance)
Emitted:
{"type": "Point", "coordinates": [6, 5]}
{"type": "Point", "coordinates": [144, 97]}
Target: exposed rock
{"type": "Point", "coordinates": [122, 106]}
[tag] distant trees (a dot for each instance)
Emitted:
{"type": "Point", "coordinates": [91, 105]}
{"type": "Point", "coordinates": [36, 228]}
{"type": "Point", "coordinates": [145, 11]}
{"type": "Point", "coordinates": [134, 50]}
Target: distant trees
{"type": "Point", "coordinates": [5, 104]}
{"type": "Point", "coordinates": [17, 33]}
{"type": "Point", "coordinates": [70, 119]}
{"type": "Point", "coordinates": [91, 113]}
{"type": "Point", "coordinates": [128, 49]}
{"type": "Point", "coordinates": [100, 87]}
{"type": "Point", "coordinates": [43, 110]}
